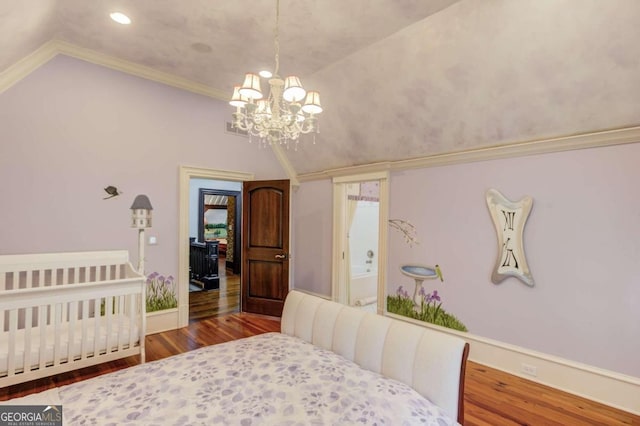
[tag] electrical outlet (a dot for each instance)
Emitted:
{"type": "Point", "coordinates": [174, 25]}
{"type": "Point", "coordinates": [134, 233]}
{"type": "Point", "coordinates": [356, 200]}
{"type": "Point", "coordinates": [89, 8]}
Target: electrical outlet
{"type": "Point", "coordinates": [530, 370]}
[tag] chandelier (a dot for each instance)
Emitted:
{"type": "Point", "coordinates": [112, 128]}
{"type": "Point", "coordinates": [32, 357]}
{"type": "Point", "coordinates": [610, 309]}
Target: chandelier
{"type": "Point", "coordinates": [280, 117]}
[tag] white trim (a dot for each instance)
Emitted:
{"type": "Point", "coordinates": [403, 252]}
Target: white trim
{"type": "Point", "coordinates": [186, 173]}
{"type": "Point", "coordinates": [516, 149]}
{"type": "Point", "coordinates": [604, 386]}
{"type": "Point", "coordinates": [27, 65]}
{"type": "Point", "coordinates": [361, 177]}
{"type": "Point", "coordinates": [159, 321]}
{"type": "Point", "coordinates": [50, 49]}
{"type": "Point", "coordinates": [338, 277]}
{"type": "Point", "coordinates": [137, 70]}
{"type": "Point", "coordinates": [339, 247]}
{"type": "Point", "coordinates": [383, 230]}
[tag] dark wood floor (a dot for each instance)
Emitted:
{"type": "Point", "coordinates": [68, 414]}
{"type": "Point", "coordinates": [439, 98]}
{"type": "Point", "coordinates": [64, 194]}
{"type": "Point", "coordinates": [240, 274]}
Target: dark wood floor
{"type": "Point", "coordinates": [225, 300]}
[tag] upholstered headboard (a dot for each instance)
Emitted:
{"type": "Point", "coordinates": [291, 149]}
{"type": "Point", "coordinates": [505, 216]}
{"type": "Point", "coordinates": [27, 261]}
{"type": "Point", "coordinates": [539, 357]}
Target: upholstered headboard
{"type": "Point", "coordinates": [429, 361]}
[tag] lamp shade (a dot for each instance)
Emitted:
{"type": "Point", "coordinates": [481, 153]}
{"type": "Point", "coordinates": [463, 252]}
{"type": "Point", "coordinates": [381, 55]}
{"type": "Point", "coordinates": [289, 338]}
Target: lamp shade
{"type": "Point", "coordinates": [312, 103]}
{"type": "Point", "coordinates": [237, 100]}
{"type": "Point", "coordinates": [141, 212]}
{"type": "Point", "coordinates": [293, 90]}
{"type": "Point", "coordinates": [251, 86]}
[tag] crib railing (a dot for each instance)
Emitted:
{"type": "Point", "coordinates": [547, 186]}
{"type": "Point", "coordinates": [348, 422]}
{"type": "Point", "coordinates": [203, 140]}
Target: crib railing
{"type": "Point", "coordinates": [63, 311]}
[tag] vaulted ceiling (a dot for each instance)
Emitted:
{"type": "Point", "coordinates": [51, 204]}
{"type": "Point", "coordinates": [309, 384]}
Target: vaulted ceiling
{"type": "Point", "coordinates": [399, 79]}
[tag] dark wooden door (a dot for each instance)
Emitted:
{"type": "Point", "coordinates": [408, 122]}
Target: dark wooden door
{"type": "Point", "coordinates": [265, 257]}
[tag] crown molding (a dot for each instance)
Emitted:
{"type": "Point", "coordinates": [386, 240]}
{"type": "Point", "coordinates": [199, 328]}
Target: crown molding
{"type": "Point", "coordinates": [50, 49]}
{"type": "Point", "coordinates": [27, 65]}
{"type": "Point", "coordinates": [519, 149]}
{"type": "Point", "coordinates": [137, 70]}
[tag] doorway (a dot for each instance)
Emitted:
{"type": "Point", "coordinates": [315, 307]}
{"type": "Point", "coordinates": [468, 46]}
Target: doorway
{"type": "Point", "coordinates": [360, 240]}
{"type": "Point", "coordinates": [219, 219]}
{"type": "Point", "coordinates": [214, 248]}
{"type": "Point", "coordinates": [185, 225]}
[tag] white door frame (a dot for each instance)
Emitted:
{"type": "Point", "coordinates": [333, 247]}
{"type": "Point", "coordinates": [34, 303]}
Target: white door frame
{"type": "Point", "coordinates": [187, 173]}
{"type": "Point", "coordinates": [340, 242]}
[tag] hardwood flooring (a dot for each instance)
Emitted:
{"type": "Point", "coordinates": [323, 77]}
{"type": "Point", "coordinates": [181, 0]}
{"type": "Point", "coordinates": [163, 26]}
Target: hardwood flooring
{"type": "Point", "coordinates": [492, 397]}
{"type": "Point", "coordinates": [225, 300]}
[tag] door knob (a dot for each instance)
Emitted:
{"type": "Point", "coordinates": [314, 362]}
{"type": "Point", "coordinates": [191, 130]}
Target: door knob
{"type": "Point", "coordinates": [281, 256]}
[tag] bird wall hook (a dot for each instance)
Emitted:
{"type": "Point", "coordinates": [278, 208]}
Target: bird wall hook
{"type": "Point", "coordinates": [112, 191]}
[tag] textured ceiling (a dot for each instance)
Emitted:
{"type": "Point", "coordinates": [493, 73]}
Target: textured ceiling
{"type": "Point", "coordinates": [399, 78]}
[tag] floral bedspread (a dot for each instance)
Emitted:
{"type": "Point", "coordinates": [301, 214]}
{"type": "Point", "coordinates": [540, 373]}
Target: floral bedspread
{"type": "Point", "coordinates": [270, 379]}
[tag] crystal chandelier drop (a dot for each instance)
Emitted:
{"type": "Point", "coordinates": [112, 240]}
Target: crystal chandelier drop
{"type": "Point", "coordinates": [279, 118]}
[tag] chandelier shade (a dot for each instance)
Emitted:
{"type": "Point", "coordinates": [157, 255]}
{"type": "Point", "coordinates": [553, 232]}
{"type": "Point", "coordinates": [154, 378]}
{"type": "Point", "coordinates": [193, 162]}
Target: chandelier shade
{"type": "Point", "coordinates": [293, 90]}
{"type": "Point", "coordinates": [251, 86]}
{"type": "Point", "coordinates": [279, 117]}
{"type": "Point", "coordinates": [237, 100]}
{"type": "Point", "coordinates": [312, 103]}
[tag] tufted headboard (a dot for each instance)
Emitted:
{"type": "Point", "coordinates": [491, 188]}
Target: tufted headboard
{"type": "Point", "coordinates": [431, 362]}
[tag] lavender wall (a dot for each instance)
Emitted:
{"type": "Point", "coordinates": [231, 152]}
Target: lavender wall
{"type": "Point", "coordinates": [582, 242]}
{"type": "Point", "coordinates": [71, 128]}
{"type": "Point", "coordinates": [312, 228]}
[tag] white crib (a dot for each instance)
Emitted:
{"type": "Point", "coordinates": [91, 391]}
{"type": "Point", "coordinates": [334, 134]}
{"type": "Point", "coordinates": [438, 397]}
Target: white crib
{"type": "Point", "coordinates": [64, 311]}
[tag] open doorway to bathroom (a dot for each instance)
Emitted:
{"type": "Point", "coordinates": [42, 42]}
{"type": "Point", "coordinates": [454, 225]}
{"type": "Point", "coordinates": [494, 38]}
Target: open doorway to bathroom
{"type": "Point", "coordinates": [363, 210]}
{"type": "Point", "coordinates": [360, 231]}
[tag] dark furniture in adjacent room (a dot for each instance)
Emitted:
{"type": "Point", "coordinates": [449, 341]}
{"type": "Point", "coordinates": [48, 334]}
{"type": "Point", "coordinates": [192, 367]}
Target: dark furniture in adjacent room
{"type": "Point", "coordinates": [203, 264]}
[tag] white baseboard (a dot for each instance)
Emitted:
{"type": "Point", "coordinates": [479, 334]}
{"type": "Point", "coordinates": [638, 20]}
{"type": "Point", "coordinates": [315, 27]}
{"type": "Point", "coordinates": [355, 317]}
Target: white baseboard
{"type": "Point", "coordinates": [160, 321]}
{"type": "Point", "coordinates": [604, 386]}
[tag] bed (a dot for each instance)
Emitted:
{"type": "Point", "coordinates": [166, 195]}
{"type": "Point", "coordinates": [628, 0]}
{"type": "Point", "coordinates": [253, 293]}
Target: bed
{"type": "Point", "coordinates": [63, 311]}
{"type": "Point", "coordinates": [331, 364]}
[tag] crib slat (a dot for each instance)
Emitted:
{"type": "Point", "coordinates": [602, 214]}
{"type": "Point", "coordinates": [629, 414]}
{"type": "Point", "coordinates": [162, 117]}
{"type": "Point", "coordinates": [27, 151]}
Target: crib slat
{"type": "Point", "coordinates": [29, 279]}
{"type": "Point", "coordinates": [121, 330]}
{"type": "Point", "coordinates": [85, 337]}
{"type": "Point", "coordinates": [132, 315]}
{"type": "Point", "coordinates": [41, 277]}
{"type": "Point", "coordinates": [42, 322]}
{"type": "Point", "coordinates": [96, 326]}
{"type": "Point", "coordinates": [109, 320]}
{"type": "Point", "coordinates": [71, 325]}
{"type": "Point", "coordinates": [56, 333]}
{"type": "Point", "coordinates": [13, 326]}
{"type": "Point", "coordinates": [65, 276]}
{"type": "Point", "coordinates": [28, 324]}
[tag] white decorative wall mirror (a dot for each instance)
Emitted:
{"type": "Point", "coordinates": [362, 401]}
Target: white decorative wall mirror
{"type": "Point", "coordinates": [509, 219]}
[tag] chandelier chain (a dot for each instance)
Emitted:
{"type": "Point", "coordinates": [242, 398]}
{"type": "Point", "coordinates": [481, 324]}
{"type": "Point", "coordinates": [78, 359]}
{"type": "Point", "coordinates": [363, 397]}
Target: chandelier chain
{"type": "Point", "coordinates": [276, 38]}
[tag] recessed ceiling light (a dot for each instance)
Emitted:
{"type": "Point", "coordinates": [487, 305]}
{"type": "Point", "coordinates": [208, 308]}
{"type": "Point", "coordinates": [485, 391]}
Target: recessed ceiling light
{"type": "Point", "coordinates": [265, 74]}
{"type": "Point", "coordinates": [120, 18]}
